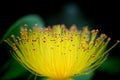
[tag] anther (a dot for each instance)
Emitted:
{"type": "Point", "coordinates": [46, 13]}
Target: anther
{"type": "Point", "coordinates": [15, 49]}
{"type": "Point", "coordinates": [97, 40]}
{"type": "Point", "coordinates": [97, 31]}
{"type": "Point", "coordinates": [103, 36]}
{"type": "Point", "coordinates": [33, 40]}
{"type": "Point", "coordinates": [93, 31]}
{"type": "Point", "coordinates": [46, 29]}
{"type": "Point", "coordinates": [6, 41]}
{"type": "Point", "coordinates": [118, 41]}
{"type": "Point", "coordinates": [33, 49]}
{"type": "Point", "coordinates": [109, 39]}
{"type": "Point", "coordinates": [73, 28]}
{"type": "Point", "coordinates": [85, 28]}
{"type": "Point", "coordinates": [36, 25]}
{"type": "Point", "coordinates": [44, 41]}
{"type": "Point", "coordinates": [103, 43]}
{"type": "Point", "coordinates": [73, 44]}
{"type": "Point", "coordinates": [93, 56]}
{"type": "Point", "coordinates": [63, 27]}
{"type": "Point", "coordinates": [12, 36]}
{"type": "Point", "coordinates": [25, 25]}
{"type": "Point", "coordinates": [61, 40]}
{"type": "Point", "coordinates": [13, 44]}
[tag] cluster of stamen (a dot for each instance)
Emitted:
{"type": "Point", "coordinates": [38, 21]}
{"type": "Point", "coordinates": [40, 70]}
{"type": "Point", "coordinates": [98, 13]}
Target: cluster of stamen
{"type": "Point", "coordinates": [58, 52]}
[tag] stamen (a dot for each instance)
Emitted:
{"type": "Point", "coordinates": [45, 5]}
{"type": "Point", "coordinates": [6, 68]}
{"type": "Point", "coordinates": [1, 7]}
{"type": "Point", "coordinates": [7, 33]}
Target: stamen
{"type": "Point", "coordinates": [58, 52]}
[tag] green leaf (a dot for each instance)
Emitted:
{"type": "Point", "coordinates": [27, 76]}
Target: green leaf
{"type": "Point", "coordinates": [84, 77]}
{"type": "Point", "coordinates": [14, 70]}
{"type": "Point", "coordinates": [78, 77]}
{"type": "Point", "coordinates": [111, 65]}
{"type": "Point", "coordinates": [29, 19]}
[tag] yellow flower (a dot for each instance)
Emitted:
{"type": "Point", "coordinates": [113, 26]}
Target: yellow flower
{"type": "Point", "coordinates": [59, 53]}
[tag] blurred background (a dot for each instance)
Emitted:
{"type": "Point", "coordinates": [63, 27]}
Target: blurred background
{"type": "Point", "coordinates": [99, 14]}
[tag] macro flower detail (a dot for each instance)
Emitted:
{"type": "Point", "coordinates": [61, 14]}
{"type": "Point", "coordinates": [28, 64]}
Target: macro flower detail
{"type": "Point", "coordinates": [59, 53]}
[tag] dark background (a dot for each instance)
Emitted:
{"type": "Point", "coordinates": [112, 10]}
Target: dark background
{"type": "Point", "coordinates": [105, 14]}
{"type": "Point", "coordinates": [102, 14]}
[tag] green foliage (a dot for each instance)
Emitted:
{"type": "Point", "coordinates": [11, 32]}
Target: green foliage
{"type": "Point", "coordinates": [14, 70]}
{"type": "Point", "coordinates": [84, 77]}
{"type": "Point", "coordinates": [111, 65]}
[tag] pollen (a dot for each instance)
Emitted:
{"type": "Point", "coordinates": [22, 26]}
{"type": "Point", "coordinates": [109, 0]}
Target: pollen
{"type": "Point", "coordinates": [60, 53]}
